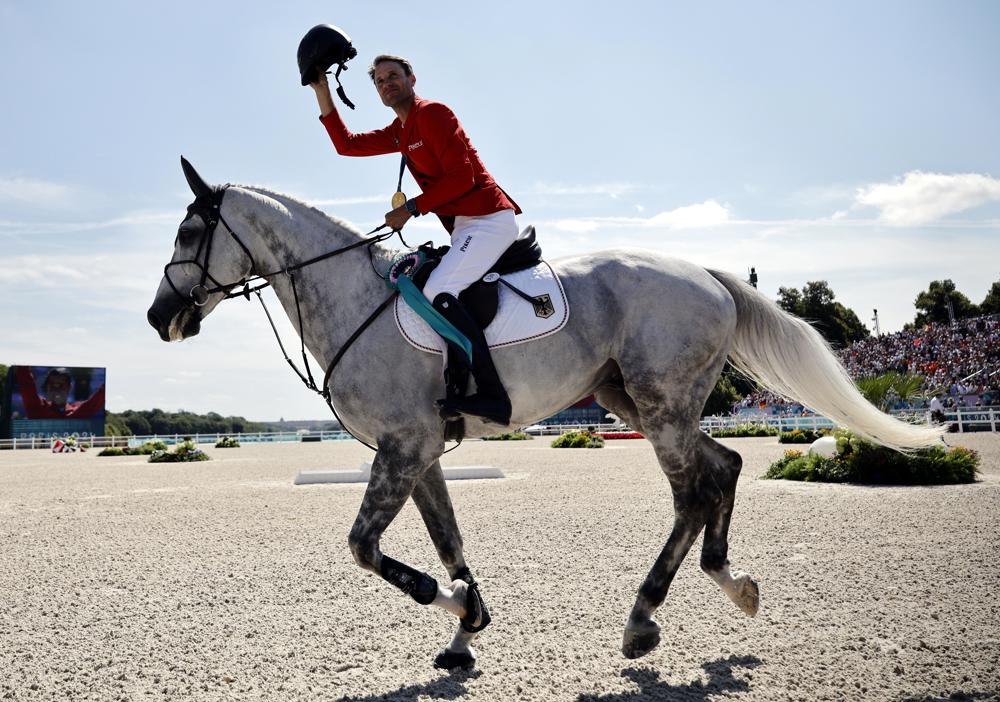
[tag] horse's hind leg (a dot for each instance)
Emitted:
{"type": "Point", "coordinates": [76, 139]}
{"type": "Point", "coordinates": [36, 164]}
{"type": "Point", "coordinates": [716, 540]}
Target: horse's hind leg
{"type": "Point", "coordinates": [740, 587]}
{"type": "Point", "coordinates": [462, 598]}
{"type": "Point", "coordinates": [695, 497]}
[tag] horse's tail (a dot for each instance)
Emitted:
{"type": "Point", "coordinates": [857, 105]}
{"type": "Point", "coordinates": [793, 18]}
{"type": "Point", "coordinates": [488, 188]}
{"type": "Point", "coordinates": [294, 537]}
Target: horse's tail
{"type": "Point", "coordinates": [786, 355]}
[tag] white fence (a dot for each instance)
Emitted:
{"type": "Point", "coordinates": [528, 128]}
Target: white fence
{"type": "Point", "coordinates": [261, 437]}
{"type": "Point", "coordinates": [965, 420]}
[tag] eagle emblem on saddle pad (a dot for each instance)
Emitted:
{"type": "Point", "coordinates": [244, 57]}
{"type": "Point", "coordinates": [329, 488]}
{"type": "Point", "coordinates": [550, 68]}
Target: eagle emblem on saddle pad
{"type": "Point", "coordinates": [544, 307]}
{"type": "Point", "coordinates": [517, 321]}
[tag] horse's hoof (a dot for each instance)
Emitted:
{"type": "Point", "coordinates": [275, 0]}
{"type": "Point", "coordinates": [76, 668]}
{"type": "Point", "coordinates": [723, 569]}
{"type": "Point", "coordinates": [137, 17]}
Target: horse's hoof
{"type": "Point", "coordinates": [640, 638]}
{"type": "Point", "coordinates": [449, 660]}
{"type": "Point", "coordinates": [746, 595]}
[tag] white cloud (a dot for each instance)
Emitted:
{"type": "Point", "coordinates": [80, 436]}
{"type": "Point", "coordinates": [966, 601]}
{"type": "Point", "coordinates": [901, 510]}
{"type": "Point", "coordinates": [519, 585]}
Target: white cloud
{"type": "Point", "coordinates": [128, 220]}
{"type": "Point", "coordinates": [35, 192]}
{"type": "Point", "coordinates": [921, 198]}
{"type": "Point", "coordinates": [704, 214]}
{"type": "Point", "coordinates": [612, 190]}
{"type": "Point", "coordinates": [578, 226]}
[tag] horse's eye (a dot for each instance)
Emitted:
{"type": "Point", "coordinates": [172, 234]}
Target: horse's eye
{"type": "Point", "coordinates": [190, 229]}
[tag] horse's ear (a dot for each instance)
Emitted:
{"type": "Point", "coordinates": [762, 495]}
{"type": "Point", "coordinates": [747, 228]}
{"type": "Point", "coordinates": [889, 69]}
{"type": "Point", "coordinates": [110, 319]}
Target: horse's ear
{"type": "Point", "coordinates": [198, 186]}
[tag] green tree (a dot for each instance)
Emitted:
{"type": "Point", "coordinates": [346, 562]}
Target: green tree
{"type": "Point", "coordinates": [932, 304]}
{"type": "Point", "coordinates": [114, 425]}
{"type": "Point", "coordinates": [880, 389]}
{"type": "Point", "coordinates": [723, 396]}
{"type": "Point", "coordinates": [990, 304]}
{"type": "Point", "coordinates": [817, 303]}
{"type": "Point", "coordinates": [3, 379]}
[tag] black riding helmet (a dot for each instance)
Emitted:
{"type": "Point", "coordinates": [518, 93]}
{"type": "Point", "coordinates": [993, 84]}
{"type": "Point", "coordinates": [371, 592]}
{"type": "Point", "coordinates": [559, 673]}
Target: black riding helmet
{"type": "Point", "coordinates": [321, 47]}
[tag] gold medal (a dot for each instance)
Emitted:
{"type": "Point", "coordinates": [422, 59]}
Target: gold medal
{"type": "Point", "coordinates": [398, 200]}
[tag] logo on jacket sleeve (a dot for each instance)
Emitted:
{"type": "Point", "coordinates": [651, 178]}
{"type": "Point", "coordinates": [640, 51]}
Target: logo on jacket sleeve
{"type": "Point", "coordinates": [417, 145]}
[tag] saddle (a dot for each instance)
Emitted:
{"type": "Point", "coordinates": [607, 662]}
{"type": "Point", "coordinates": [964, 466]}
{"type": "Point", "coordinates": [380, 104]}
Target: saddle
{"type": "Point", "coordinates": [482, 298]}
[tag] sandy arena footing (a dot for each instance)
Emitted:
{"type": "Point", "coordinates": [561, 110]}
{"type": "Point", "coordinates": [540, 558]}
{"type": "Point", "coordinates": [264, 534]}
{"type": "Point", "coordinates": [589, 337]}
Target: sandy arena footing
{"type": "Point", "coordinates": [122, 580]}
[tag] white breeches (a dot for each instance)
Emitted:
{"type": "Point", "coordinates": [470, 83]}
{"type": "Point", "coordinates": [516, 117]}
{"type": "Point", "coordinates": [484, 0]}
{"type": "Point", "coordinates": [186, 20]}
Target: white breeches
{"type": "Point", "coordinates": [476, 244]}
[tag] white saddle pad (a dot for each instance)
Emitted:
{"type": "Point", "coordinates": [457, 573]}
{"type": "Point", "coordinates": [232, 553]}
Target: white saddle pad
{"type": "Point", "coordinates": [517, 320]}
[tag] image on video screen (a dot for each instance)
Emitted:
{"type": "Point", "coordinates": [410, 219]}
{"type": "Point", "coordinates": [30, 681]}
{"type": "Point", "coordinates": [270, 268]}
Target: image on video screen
{"type": "Point", "coordinates": [50, 400]}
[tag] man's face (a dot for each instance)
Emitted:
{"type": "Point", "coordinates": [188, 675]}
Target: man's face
{"type": "Point", "coordinates": [57, 389]}
{"type": "Point", "coordinates": [392, 83]}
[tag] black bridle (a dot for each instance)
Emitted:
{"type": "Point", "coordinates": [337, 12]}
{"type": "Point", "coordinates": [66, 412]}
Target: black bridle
{"type": "Point", "coordinates": [209, 208]}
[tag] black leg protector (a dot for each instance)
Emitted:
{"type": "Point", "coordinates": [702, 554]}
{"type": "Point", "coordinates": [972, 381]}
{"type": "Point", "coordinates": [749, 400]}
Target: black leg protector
{"type": "Point", "coordinates": [420, 586]}
{"type": "Point", "coordinates": [477, 616]}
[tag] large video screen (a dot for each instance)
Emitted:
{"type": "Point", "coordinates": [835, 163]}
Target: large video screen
{"type": "Point", "coordinates": [56, 401]}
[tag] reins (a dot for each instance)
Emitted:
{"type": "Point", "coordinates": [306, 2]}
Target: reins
{"type": "Point", "coordinates": [212, 215]}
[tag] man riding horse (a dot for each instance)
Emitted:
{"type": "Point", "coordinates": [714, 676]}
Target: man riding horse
{"type": "Point", "coordinates": [455, 186]}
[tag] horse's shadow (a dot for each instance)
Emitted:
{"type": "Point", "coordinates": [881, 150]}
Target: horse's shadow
{"type": "Point", "coordinates": [720, 679]}
{"type": "Point", "coordinates": [448, 687]}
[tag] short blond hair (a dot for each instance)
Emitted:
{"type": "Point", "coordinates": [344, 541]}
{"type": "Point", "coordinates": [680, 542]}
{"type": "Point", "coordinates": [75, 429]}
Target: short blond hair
{"type": "Point", "coordinates": [382, 58]}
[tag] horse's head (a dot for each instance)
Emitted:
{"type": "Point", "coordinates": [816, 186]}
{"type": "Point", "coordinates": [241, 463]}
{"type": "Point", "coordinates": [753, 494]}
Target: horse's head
{"type": "Point", "coordinates": [206, 264]}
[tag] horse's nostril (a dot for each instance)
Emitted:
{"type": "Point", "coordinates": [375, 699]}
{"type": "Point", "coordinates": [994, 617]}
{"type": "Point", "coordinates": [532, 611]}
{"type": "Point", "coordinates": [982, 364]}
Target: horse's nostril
{"type": "Point", "coordinates": [154, 320]}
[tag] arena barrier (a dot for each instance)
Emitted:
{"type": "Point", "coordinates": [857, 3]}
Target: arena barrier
{"type": "Point", "coordinates": [963, 419]}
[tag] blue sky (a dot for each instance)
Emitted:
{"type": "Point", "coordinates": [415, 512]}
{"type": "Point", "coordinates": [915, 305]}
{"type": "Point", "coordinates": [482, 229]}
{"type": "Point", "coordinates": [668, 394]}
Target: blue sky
{"type": "Point", "coordinates": [852, 142]}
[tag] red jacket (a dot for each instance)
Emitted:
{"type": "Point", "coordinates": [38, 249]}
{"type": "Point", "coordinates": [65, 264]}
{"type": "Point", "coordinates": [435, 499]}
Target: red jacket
{"type": "Point", "coordinates": [439, 155]}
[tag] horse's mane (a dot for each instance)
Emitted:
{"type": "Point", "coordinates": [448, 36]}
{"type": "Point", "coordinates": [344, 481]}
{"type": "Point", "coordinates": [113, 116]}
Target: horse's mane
{"type": "Point", "coordinates": [278, 200]}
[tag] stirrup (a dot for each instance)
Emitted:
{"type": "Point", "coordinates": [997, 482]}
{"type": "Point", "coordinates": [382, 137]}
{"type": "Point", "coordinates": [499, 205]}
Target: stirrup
{"type": "Point", "coordinates": [466, 406]}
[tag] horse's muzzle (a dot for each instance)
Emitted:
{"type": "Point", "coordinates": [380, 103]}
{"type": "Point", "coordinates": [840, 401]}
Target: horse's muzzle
{"type": "Point", "coordinates": [163, 319]}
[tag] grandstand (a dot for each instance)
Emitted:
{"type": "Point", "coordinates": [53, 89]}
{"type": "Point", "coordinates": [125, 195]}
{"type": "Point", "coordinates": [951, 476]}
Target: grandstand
{"type": "Point", "coordinates": [960, 363]}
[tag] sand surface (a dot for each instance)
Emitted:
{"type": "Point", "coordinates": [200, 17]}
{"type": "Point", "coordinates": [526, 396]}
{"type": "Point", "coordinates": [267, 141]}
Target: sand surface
{"type": "Point", "coordinates": [121, 580]}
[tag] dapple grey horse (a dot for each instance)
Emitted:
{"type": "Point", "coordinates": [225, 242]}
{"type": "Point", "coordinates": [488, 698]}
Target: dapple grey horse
{"type": "Point", "coordinates": [647, 334]}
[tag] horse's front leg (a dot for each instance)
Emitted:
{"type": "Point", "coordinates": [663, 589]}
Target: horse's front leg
{"type": "Point", "coordinates": [462, 598]}
{"type": "Point", "coordinates": [395, 472]}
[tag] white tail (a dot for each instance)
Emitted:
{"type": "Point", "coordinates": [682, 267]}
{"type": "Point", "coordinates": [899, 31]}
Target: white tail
{"type": "Point", "coordinates": [786, 355]}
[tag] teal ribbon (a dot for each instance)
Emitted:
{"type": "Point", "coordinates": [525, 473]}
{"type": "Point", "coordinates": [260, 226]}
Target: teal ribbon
{"type": "Point", "coordinates": [419, 303]}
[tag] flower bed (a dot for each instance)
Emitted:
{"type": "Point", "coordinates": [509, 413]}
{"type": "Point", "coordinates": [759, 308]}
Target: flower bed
{"type": "Point", "coordinates": [858, 461]}
{"type": "Point", "coordinates": [146, 449]}
{"type": "Point", "coordinates": [186, 451]}
{"type": "Point", "coordinates": [578, 439]}
{"type": "Point", "coordinates": [802, 436]}
{"type": "Point", "coordinates": [619, 435]}
{"type": "Point", "coordinates": [509, 436]}
{"type": "Point", "coordinates": [743, 431]}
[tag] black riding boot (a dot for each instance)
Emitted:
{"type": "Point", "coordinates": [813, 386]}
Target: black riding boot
{"type": "Point", "coordinates": [490, 401]}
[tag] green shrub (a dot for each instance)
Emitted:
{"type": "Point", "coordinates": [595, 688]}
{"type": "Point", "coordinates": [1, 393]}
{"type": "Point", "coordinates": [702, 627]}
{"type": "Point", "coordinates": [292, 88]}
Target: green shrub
{"type": "Point", "coordinates": [509, 436]}
{"type": "Point", "coordinates": [185, 451]}
{"type": "Point", "coordinates": [578, 439]}
{"type": "Point", "coordinates": [744, 430]}
{"type": "Point", "coordinates": [114, 451]}
{"type": "Point", "coordinates": [148, 448]}
{"type": "Point", "coordinates": [227, 442]}
{"type": "Point", "coordinates": [858, 461]}
{"type": "Point", "coordinates": [801, 436]}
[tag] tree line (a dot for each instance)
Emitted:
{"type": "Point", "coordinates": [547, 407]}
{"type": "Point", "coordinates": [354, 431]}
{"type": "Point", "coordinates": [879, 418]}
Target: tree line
{"type": "Point", "coordinates": [156, 421]}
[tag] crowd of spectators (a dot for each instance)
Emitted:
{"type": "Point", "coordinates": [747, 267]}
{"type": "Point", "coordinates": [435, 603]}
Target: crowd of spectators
{"type": "Point", "coordinates": [960, 364]}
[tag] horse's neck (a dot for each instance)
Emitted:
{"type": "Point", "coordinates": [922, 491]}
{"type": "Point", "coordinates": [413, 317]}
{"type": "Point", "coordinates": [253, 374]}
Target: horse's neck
{"type": "Point", "coordinates": [334, 295]}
